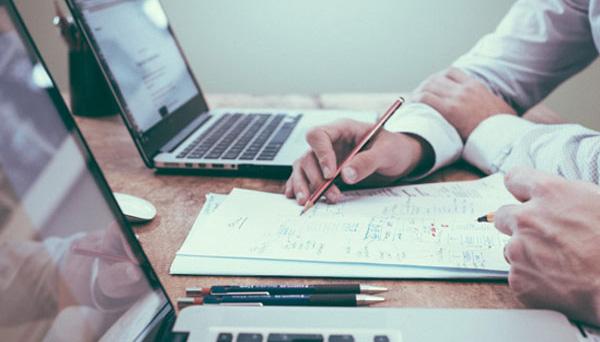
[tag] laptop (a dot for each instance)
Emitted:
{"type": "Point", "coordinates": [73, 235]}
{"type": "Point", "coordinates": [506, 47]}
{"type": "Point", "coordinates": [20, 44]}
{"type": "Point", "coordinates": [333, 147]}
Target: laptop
{"type": "Point", "coordinates": [73, 270]}
{"type": "Point", "coordinates": [164, 108]}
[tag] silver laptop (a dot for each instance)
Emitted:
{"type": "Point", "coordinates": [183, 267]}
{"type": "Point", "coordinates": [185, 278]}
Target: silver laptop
{"type": "Point", "coordinates": [72, 269]}
{"type": "Point", "coordinates": [164, 108]}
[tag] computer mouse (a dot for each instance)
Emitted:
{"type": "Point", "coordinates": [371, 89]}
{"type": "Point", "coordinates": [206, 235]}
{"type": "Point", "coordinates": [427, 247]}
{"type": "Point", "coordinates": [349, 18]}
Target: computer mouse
{"type": "Point", "coordinates": [135, 209]}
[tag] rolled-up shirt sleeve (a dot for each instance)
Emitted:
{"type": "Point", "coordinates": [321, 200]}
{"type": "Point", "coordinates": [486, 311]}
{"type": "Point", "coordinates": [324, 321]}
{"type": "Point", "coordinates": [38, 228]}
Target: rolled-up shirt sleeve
{"type": "Point", "coordinates": [424, 121]}
{"type": "Point", "coordinates": [538, 45]}
{"type": "Point", "coordinates": [506, 141]}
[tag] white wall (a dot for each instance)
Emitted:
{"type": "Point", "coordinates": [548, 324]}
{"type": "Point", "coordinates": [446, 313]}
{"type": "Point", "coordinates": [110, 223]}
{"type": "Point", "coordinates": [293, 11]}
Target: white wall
{"type": "Point", "coordinates": [313, 46]}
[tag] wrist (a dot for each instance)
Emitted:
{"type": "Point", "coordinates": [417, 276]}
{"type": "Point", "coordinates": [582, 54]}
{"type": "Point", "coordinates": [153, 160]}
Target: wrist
{"type": "Point", "coordinates": [421, 154]}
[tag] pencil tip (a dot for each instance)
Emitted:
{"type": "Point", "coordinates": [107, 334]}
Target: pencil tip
{"type": "Point", "coordinates": [482, 219]}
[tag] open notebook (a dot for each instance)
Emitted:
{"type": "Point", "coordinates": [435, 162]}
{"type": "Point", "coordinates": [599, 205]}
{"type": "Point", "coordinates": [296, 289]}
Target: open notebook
{"type": "Point", "coordinates": [415, 231]}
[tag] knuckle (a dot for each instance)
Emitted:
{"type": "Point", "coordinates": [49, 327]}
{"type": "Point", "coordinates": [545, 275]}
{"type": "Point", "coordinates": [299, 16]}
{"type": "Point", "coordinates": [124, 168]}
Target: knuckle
{"type": "Point", "coordinates": [297, 166]}
{"type": "Point", "coordinates": [543, 187]}
{"type": "Point", "coordinates": [448, 71]}
{"type": "Point", "coordinates": [306, 157]}
{"type": "Point", "coordinates": [521, 219]}
{"type": "Point", "coordinates": [345, 122]}
{"type": "Point", "coordinates": [417, 97]}
{"type": "Point", "coordinates": [314, 133]}
{"type": "Point", "coordinates": [426, 98]}
{"type": "Point", "coordinates": [473, 85]}
{"type": "Point", "coordinates": [322, 160]}
{"type": "Point", "coordinates": [453, 106]}
{"type": "Point", "coordinates": [516, 281]}
{"type": "Point", "coordinates": [514, 250]}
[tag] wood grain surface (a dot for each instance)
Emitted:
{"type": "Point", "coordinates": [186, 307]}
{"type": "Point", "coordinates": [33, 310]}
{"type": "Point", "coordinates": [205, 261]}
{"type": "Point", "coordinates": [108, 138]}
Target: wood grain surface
{"type": "Point", "coordinates": [178, 199]}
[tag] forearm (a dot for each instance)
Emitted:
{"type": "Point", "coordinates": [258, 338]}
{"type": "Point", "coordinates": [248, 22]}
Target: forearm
{"type": "Point", "coordinates": [538, 45]}
{"type": "Point", "coordinates": [503, 142]}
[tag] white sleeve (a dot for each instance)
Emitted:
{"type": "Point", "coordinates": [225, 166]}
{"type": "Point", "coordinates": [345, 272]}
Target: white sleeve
{"type": "Point", "coordinates": [424, 121]}
{"type": "Point", "coordinates": [538, 45]}
{"type": "Point", "coordinates": [505, 141]}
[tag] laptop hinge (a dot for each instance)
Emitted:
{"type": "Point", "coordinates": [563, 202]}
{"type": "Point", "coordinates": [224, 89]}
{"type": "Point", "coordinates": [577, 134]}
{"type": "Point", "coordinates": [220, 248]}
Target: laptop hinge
{"type": "Point", "coordinates": [172, 144]}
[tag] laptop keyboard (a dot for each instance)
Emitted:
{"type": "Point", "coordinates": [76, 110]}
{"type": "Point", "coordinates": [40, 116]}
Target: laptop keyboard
{"type": "Point", "coordinates": [242, 136]}
{"type": "Point", "coordinates": [257, 337]}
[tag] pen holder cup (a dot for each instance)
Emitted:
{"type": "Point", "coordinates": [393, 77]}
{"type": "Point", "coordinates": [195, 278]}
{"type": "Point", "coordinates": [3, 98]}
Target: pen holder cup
{"type": "Point", "coordinates": [90, 94]}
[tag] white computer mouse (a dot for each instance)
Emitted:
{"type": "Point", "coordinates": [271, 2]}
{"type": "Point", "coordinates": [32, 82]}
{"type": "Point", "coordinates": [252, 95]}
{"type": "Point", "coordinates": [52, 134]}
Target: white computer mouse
{"type": "Point", "coordinates": [135, 209]}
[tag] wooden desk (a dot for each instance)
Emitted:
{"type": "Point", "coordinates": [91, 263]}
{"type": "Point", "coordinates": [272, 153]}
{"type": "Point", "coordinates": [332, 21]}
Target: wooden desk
{"type": "Point", "coordinates": [179, 199]}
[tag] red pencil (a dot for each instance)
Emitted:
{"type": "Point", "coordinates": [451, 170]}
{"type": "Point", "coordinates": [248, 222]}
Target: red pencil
{"type": "Point", "coordinates": [359, 147]}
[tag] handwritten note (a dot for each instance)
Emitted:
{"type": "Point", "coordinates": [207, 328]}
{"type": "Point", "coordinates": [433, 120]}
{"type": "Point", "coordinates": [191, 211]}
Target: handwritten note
{"type": "Point", "coordinates": [422, 225]}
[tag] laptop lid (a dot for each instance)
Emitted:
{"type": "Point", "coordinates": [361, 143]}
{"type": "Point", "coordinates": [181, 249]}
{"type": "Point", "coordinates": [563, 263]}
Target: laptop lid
{"type": "Point", "coordinates": [70, 266]}
{"type": "Point", "coordinates": [145, 67]}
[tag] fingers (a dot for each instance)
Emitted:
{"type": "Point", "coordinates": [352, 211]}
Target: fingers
{"type": "Point", "coordinates": [439, 85]}
{"type": "Point", "coordinates": [120, 280]}
{"type": "Point", "coordinates": [321, 140]}
{"type": "Point", "coordinates": [457, 75]}
{"type": "Point", "coordinates": [299, 184]}
{"type": "Point", "coordinates": [321, 143]}
{"type": "Point", "coordinates": [430, 99]}
{"type": "Point", "coordinates": [525, 183]}
{"type": "Point", "coordinates": [306, 177]}
{"type": "Point", "coordinates": [514, 250]}
{"type": "Point", "coordinates": [313, 175]}
{"type": "Point", "coordinates": [504, 219]}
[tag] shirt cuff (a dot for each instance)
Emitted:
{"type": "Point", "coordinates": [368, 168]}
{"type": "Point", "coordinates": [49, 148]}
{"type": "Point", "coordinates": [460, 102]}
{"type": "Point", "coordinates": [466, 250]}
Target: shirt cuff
{"type": "Point", "coordinates": [424, 121]}
{"type": "Point", "coordinates": [491, 142]}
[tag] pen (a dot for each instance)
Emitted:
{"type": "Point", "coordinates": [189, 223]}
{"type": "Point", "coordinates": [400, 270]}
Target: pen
{"type": "Point", "coordinates": [284, 289]}
{"type": "Point", "coordinates": [98, 254]}
{"type": "Point", "coordinates": [486, 218]}
{"type": "Point", "coordinates": [363, 142]}
{"type": "Point", "coordinates": [284, 300]}
{"type": "Point", "coordinates": [63, 24]}
{"type": "Point", "coordinates": [68, 30]}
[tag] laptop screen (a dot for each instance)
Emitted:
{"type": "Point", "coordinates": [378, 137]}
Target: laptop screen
{"type": "Point", "coordinates": [145, 61]}
{"type": "Point", "coordinates": [70, 269]}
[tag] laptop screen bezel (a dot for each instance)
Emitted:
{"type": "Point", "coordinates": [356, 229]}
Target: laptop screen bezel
{"type": "Point", "coordinates": [92, 166]}
{"type": "Point", "coordinates": [152, 141]}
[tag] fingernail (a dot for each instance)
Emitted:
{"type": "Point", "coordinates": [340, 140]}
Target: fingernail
{"type": "Point", "coordinates": [349, 174]}
{"type": "Point", "coordinates": [326, 172]}
{"type": "Point", "coordinates": [300, 196]}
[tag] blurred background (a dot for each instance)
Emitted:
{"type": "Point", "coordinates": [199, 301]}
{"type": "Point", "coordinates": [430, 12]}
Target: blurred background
{"type": "Point", "coordinates": [325, 46]}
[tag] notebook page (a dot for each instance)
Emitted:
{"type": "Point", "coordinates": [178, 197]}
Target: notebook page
{"type": "Point", "coordinates": [424, 225]}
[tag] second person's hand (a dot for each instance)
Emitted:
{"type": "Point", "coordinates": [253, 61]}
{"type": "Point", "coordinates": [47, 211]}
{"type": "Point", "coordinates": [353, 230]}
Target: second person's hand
{"type": "Point", "coordinates": [388, 157]}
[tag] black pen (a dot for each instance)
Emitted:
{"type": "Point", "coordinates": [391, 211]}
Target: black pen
{"type": "Point", "coordinates": [284, 289]}
{"type": "Point", "coordinates": [64, 25]}
{"type": "Point", "coordinates": [284, 300]}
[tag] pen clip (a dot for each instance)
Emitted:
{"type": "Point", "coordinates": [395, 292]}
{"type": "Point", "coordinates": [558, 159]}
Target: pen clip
{"type": "Point", "coordinates": [257, 293]}
{"type": "Point", "coordinates": [238, 304]}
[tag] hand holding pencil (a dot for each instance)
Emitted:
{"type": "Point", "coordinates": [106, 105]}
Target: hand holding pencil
{"type": "Point", "coordinates": [386, 157]}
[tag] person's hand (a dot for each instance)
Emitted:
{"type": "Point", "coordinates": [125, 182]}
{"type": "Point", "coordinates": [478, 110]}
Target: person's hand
{"type": "Point", "coordinates": [389, 156]}
{"type": "Point", "coordinates": [118, 279]}
{"type": "Point", "coordinates": [555, 245]}
{"type": "Point", "coordinates": [121, 279]}
{"type": "Point", "coordinates": [462, 100]}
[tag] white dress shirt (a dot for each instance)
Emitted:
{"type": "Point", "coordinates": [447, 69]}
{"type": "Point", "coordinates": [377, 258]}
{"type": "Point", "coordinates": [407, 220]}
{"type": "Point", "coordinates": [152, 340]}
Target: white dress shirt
{"type": "Point", "coordinates": [538, 45]}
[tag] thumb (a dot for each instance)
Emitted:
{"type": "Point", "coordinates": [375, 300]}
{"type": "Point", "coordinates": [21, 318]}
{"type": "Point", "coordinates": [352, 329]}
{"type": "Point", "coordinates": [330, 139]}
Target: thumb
{"type": "Point", "coordinates": [522, 182]}
{"type": "Point", "coordinates": [360, 167]}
